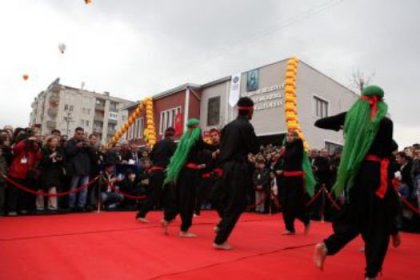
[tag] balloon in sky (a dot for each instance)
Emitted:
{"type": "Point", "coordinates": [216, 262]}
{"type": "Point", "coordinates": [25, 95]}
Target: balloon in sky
{"type": "Point", "coordinates": [87, 2]}
{"type": "Point", "coordinates": [62, 47]}
{"type": "Point", "coordinates": [25, 77]}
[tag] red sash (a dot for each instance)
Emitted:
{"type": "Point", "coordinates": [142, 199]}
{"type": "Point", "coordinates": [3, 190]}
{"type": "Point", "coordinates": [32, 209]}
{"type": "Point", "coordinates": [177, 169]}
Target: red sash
{"type": "Point", "coordinates": [383, 185]}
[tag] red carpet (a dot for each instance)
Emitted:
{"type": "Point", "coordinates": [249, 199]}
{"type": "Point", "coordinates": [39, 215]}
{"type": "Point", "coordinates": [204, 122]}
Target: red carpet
{"type": "Point", "coordinates": [115, 246]}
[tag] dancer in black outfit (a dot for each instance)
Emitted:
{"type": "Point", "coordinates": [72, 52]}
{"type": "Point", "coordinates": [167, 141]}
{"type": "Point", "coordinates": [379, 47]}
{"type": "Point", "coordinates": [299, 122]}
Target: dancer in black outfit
{"type": "Point", "coordinates": [238, 139]}
{"type": "Point", "coordinates": [371, 202]}
{"type": "Point", "coordinates": [294, 189]}
{"type": "Point", "coordinates": [160, 156]}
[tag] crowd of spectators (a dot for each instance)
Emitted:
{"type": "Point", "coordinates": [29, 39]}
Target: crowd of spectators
{"type": "Point", "coordinates": [97, 176]}
{"type": "Point", "coordinates": [35, 168]}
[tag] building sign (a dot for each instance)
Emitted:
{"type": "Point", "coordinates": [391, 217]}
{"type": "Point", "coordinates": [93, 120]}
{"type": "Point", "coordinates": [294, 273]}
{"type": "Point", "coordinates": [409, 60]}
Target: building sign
{"type": "Point", "coordinates": [235, 89]}
{"type": "Point", "coordinates": [266, 98]}
{"type": "Point", "coordinates": [252, 79]}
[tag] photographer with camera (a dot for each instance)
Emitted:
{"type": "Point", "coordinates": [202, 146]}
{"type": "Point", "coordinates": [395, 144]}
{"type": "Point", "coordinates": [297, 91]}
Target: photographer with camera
{"type": "Point", "coordinates": [78, 166]}
{"type": "Point", "coordinates": [51, 170]}
{"type": "Point", "coordinates": [26, 154]}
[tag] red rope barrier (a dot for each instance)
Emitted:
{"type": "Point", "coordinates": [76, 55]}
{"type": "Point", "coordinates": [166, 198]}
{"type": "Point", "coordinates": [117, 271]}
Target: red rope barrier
{"type": "Point", "coordinates": [334, 204]}
{"type": "Point", "coordinates": [26, 189]}
{"type": "Point", "coordinates": [408, 204]}
{"type": "Point", "coordinates": [123, 193]}
{"type": "Point", "coordinates": [314, 198]}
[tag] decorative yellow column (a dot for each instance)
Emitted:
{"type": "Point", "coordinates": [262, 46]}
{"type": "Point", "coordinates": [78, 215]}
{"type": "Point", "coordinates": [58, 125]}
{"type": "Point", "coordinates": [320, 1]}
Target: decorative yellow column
{"type": "Point", "coordinates": [150, 130]}
{"type": "Point", "coordinates": [290, 105]}
{"type": "Point", "coordinates": [131, 120]}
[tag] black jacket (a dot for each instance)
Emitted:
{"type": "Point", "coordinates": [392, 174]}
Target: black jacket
{"type": "Point", "coordinates": [238, 139]}
{"type": "Point", "coordinates": [78, 160]}
{"type": "Point", "coordinates": [162, 152]}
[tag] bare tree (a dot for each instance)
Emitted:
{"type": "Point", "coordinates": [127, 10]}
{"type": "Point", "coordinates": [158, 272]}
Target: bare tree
{"type": "Point", "coordinates": [360, 80]}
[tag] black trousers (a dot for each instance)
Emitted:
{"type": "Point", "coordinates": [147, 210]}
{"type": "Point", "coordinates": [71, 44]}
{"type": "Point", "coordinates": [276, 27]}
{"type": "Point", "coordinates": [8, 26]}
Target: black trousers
{"type": "Point", "coordinates": [17, 199]}
{"type": "Point", "coordinates": [203, 193]}
{"type": "Point", "coordinates": [293, 201]}
{"type": "Point", "coordinates": [232, 189]}
{"type": "Point", "coordinates": [366, 214]}
{"type": "Point", "coordinates": [155, 193]}
{"type": "Point", "coordinates": [376, 240]}
{"type": "Point", "coordinates": [180, 198]}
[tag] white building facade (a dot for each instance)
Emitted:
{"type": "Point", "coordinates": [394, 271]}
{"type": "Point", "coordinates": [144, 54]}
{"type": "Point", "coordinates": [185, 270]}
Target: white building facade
{"type": "Point", "coordinates": [317, 96]}
{"type": "Point", "coordinates": [65, 108]}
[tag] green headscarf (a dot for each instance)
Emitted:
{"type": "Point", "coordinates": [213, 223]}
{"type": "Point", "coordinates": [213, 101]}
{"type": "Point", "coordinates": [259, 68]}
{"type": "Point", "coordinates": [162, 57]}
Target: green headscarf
{"type": "Point", "coordinates": [179, 158]}
{"type": "Point", "coordinates": [360, 128]}
{"type": "Point", "coordinates": [310, 181]}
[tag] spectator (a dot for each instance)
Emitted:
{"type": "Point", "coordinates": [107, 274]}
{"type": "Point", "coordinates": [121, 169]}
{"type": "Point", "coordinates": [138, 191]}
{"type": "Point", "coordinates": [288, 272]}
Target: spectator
{"type": "Point", "coordinates": [110, 198]}
{"type": "Point", "coordinates": [51, 170]}
{"type": "Point", "coordinates": [26, 155]}
{"type": "Point", "coordinates": [416, 174]}
{"type": "Point", "coordinates": [404, 174]}
{"type": "Point", "coordinates": [114, 155]}
{"type": "Point", "coordinates": [56, 132]}
{"type": "Point", "coordinates": [135, 186]}
{"type": "Point", "coordinates": [78, 166]}
{"type": "Point", "coordinates": [261, 182]}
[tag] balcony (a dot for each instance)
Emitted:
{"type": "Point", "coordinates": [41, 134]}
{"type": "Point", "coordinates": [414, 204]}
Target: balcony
{"type": "Point", "coordinates": [98, 117]}
{"type": "Point", "coordinates": [112, 121]}
{"type": "Point", "coordinates": [100, 107]}
{"type": "Point", "coordinates": [54, 99]}
{"type": "Point", "coordinates": [111, 131]}
{"type": "Point", "coordinates": [51, 124]}
{"type": "Point", "coordinates": [52, 112]}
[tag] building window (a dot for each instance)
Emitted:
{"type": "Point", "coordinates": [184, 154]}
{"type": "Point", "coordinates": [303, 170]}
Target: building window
{"type": "Point", "coordinates": [321, 107]}
{"type": "Point", "coordinates": [167, 118]}
{"type": "Point", "coordinates": [140, 128]}
{"type": "Point", "coordinates": [213, 111]}
{"type": "Point", "coordinates": [113, 106]}
{"type": "Point", "coordinates": [113, 116]}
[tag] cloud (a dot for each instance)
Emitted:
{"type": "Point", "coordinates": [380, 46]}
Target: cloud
{"type": "Point", "coordinates": [137, 48]}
